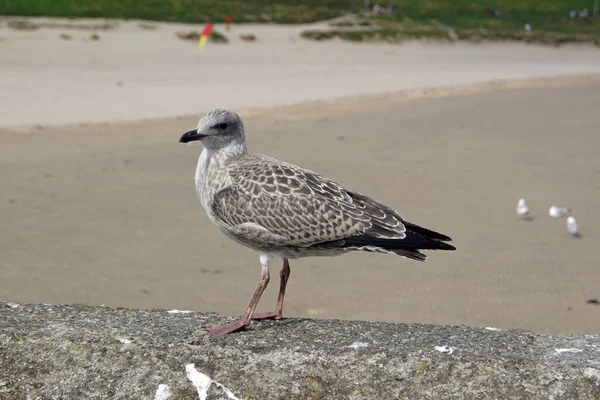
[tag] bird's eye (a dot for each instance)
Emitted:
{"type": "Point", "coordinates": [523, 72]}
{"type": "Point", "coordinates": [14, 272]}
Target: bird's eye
{"type": "Point", "coordinates": [222, 125]}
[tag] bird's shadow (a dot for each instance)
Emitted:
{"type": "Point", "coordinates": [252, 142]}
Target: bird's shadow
{"type": "Point", "coordinates": [527, 218]}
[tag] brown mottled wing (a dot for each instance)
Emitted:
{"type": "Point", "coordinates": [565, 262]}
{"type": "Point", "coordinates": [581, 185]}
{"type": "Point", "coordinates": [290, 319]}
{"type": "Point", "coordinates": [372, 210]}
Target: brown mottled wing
{"type": "Point", "coordinates": [300, 205]}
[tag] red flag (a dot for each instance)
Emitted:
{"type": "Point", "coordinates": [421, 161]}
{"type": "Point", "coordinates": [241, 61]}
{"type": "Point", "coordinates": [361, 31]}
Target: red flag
{"type": "Point", "coordinates": [207, 29]}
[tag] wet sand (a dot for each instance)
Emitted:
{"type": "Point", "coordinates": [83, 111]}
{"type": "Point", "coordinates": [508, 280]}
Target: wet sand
{"type": "Point", "coordinates": [107, 213]}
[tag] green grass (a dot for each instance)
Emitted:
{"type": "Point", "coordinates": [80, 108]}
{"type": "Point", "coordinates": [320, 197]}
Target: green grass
{"type": "Point", "coordinates": [215, 36]}
{"type": "Point", "coordinates": [542, 15]}
{"type": "Point", "coordinates": [218, 37]}
{"type": "Point", "coordinates": [280, 11]}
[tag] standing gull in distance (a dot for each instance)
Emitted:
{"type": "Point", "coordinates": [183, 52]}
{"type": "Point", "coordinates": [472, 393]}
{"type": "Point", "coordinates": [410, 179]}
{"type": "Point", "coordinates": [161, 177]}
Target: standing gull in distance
{"type": "Point", "coordinates": [522, 209]}
{"type": "Point", "coordinates": [573, 227]}
{"type": "Point", "coordinates": [282, 210]}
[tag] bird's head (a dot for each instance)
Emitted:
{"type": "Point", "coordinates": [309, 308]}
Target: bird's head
{"type": "Point", "coordinates": [218, 129]}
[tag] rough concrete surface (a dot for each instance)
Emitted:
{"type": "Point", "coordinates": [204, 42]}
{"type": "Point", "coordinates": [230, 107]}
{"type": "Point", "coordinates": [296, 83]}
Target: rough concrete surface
{"type": "Point", "coordinates": [76, 352]}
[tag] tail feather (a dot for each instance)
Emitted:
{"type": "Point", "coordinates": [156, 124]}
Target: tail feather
{"type": "Point", "coordinates": [412, 254]}
{"type": "Point", "coordinates": [417, 238]}
{"type": "Point", "coordinates": [412, 241]}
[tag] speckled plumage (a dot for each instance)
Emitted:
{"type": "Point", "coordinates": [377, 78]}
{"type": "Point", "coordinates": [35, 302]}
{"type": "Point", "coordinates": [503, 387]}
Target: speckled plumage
{"type": "Point", "coordinates": [298, 207]}
{"type": "Point", "coordinates": [280, 208]}
{"type": "Point", "coordinates": [283, 210]}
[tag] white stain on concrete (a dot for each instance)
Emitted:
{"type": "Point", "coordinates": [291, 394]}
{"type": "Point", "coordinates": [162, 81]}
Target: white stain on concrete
{"type": "Point", "coordinates": [203, 382]}
{"type": "Point", "coordinates": [12, 305]}
{"type": "Point", "coordinates": [358, 345]}
{"type": "Point", "coordinates": [124, 340]}
{"type": "Point", "coordinates": [567, 350]}
{"type": "Point", "coordinates": [490, 328]}
{"type": "Point", "coordinates": [445, 349]}
{"type": "Point", "coordinates": [592, 373]}
{"type": "Point", "coordinates": [179, 311]}
{"type": "Point", "coordinates": [163, 392]}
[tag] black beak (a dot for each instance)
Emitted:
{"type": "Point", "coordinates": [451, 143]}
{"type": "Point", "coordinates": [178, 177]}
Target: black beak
{"type": "Point", "coordinates": [191, 136]}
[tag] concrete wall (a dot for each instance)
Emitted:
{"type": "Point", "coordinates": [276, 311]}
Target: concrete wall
{"type": "Point", "coordinates": [77, 352]}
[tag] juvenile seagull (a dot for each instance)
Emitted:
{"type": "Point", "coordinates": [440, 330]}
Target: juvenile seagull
{"type": "Point", "coordinates": [282, 210]}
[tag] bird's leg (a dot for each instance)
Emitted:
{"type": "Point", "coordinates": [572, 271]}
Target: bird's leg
{"type": "Point", "coordinates": [247, 318]}
{"type": "Point", "coordinates": [284, 274]}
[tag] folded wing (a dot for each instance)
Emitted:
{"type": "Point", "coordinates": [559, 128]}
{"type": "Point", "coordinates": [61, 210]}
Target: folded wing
{"type": "Point", "coordinates": [308, 210]}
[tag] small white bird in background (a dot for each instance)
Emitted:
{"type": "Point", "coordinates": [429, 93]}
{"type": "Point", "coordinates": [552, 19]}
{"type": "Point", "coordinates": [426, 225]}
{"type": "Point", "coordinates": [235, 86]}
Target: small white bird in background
{"type": "Point", "coordinates": [522, 209]}
{"type": "Point", "coordinates": [572, 227]}
{"type": "Point", "coordinates": [559, 212]}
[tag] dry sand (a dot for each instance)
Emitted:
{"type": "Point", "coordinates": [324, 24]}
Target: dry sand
{"type": "Point", "coordinates": [133, 73]}
{"type": "Point", "coordinates": [107, 213]}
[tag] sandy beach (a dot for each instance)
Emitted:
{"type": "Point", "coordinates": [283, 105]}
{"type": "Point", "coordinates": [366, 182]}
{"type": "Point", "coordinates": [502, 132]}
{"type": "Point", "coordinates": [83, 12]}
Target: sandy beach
{"type": "Point", "coordinates": [98, 203]}
{"type": "Point", "coordinates": [132, 73]}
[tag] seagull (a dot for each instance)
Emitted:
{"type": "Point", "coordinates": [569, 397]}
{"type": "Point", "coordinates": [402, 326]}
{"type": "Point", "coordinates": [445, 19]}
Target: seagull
{"type": "Point", "coordinates": [572, 226]}
{"type": "Point", "coordinates": [559, 212]}
{"type": "Point", "coordinates": [285, 211]}
{"type": "Point", "coordinates": [522, 209]}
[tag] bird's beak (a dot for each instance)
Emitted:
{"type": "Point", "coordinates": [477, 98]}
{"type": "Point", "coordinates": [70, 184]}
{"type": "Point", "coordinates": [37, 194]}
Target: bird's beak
{"type": "Point", "coordinates": [191, 136]}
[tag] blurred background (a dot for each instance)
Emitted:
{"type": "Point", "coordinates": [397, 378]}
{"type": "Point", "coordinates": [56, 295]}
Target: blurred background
{"type": "Point", "coordinates": [449, 112]}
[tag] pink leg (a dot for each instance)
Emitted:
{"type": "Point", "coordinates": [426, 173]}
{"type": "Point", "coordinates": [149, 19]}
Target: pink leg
{"type": "Point", "coordinates": [278, 313]}
{"type": "Point", "coordinates": [245, 320]}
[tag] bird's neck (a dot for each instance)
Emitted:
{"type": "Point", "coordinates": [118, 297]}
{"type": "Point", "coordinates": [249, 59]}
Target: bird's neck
{"type": "Point", "coordinates": [211, 159]}
{"type": "Point", "coordinates": [212, 168]}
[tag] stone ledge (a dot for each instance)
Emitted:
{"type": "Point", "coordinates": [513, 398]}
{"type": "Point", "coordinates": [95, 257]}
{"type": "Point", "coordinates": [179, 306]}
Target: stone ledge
{"type": "Point", "coordinates": [77, 352]}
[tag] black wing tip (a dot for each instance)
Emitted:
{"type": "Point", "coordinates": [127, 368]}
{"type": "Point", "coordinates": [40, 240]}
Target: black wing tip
{"type": "Point", "coordinates": [444, 238]}
{"type": "Point", "coordinates": [426, 232]}
{"type": "Point", "coordinates": [446, 246]}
